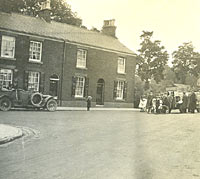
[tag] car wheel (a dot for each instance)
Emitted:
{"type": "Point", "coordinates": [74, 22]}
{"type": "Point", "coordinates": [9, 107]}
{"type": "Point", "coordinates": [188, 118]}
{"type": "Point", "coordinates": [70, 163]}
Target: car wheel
{"type": "Point", "coordinates": [51, 105]}
{"type": "Point", "coordinates": [5, 104]}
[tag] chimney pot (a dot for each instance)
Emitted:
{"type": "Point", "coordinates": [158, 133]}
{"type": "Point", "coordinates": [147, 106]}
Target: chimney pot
{"type": "Point", "coordinates": [45, 11]}
{"type": "Point", "coordinates": [109, 27]}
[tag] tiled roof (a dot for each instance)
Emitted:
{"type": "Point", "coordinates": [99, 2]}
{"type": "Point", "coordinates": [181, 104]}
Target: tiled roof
{"type": "Point", "coordinates": [37, 26]}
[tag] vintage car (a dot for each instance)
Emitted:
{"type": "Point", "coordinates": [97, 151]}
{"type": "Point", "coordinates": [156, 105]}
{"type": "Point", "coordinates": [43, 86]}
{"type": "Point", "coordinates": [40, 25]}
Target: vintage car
{"type": "Point", "coordinates": [18, 98]}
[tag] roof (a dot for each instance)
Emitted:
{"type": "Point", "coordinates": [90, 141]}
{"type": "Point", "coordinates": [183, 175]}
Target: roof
{"type": "Point", "coordinates": [179, 87]}
{"type": "Point", "coordinates": [37, 26]}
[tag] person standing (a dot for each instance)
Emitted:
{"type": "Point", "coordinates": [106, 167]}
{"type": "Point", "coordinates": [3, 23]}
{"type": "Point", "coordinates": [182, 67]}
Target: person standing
{"type": "Point", "coordinates": [170, 99]}
{"type": "Point", "coordinates": [192, 104]}
{"type": "Point", "coordinates": [143, 103]}
{"type": "Point", "coordinates": [165, 105]}
{"type": "Point", "coordinates": [89, 100]}
{"type": "Point", "coordinates": [184, 103]}
{"type": "Point", "coordinates": [149, 102]}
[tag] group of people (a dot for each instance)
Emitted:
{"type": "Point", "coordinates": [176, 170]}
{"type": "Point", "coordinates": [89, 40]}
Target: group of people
{"type": "Point", "coordinates": [165, 102]}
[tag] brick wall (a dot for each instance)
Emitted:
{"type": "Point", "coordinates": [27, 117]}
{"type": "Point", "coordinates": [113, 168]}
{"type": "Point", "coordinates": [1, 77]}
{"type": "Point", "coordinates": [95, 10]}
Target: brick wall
{"type": "Point", "coordinates": [51, 61]}
{"type": "Point", "coordinates": [100, 65]}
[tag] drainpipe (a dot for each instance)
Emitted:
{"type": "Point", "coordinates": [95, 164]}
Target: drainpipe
{"type": "Point", "coordinates": [62, 73]}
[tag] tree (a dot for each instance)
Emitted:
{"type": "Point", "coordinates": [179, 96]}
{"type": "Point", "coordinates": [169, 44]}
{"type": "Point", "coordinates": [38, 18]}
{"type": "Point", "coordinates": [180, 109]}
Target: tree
{"type": "Point", "coordinates": [95, 29]}
{"type": "Point", "coordinates": [169, 75]}
{"type": "Point", "coordinates": [138, 90]}
{"type": "Point", "coordinates": [169, 80]}
{"type": "Point", "coordinates": [151, 60]}
{"type": "Point", "coordinates": [186, 61]}
{"type": "Point", "coordinates": [60, 10]}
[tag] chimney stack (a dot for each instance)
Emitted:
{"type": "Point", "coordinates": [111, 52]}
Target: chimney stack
{"type": "Point", "coordinates": [109, 27]}
{"type": "Point", "coordinates": [45, 11]}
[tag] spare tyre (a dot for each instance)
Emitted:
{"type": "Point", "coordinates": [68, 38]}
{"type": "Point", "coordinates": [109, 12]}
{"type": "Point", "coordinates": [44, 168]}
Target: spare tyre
{"type": "Point", "coordinates": [36, 99]}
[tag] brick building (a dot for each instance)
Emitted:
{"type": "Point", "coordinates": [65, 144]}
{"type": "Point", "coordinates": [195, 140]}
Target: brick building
{"type": "Point", "coordinates": [66, 61]}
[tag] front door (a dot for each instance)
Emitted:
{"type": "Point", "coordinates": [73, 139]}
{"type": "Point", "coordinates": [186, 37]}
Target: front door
{"type": "Point", "coordinates": [53, 87]}
{"type": "Point", "coordinates": [53, 91]}
{"type": "Point", "coordinates": [100, 92]}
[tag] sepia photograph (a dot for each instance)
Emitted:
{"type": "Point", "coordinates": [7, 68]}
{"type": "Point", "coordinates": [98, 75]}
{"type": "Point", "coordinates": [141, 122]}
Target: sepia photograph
{"type": "Point", "coordinates": [99, 89]}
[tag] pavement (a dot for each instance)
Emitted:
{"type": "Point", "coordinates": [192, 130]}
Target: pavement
{"type": "Point", "coordinates": [9, 133]}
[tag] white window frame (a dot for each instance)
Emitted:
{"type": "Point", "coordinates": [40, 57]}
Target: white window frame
{"type": "Point", "coordinates": [6, 77]}
{"type": "Point", "coordinates": [120, 90]}
{"type": "Point", "coordinates": [81, 58]}
{"type": "Point", "coordinates": [35, 50]}
{"type": "Point", "coordinates": [33, 80]}
{"type": "Point", "coordinates": [6, 43]}
{"type": "Point", "coordinates": [80, 86]}
{"type": "Point", "coordinates": [121, 65]}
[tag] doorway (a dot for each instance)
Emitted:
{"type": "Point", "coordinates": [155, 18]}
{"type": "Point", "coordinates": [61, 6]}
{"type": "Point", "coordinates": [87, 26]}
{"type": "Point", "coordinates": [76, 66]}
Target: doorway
{"type": "Point", "coordinates": [53, 87]}
{"type": "Point", "coordinates": [100, 92]}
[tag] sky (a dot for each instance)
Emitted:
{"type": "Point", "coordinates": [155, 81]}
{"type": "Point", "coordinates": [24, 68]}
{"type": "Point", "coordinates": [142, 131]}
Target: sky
{"type": "Point", "coordinates": [172, 21]}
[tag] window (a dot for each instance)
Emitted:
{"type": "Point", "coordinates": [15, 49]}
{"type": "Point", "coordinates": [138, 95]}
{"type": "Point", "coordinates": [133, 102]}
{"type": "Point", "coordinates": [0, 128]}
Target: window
{"type": "Point", "coordinates": [81, 58]}
{"type": "Point", "coordinates": [121, 65]}
{"type": "Point", "coordinates": [6, 77]}
{"type": "Point", "coordinates": [120, 90]}
{"type": "Point", "coordinates": [8, 47]}
{"type": "Point", "coordinates": [80, 83]}
{"type": "Point", "coordinates": [35, 51]}
{"type": "Point", "coordinates": [33, 81]}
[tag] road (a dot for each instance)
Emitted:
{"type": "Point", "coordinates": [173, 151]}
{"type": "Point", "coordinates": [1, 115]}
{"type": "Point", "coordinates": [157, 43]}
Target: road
{"type": "Point", "coordinates": [101, 145]}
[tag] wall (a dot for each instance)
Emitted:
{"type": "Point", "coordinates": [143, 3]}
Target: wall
{"type": "Point", "coordinates": [51, 62]}
{"type": "Point", "coordinates": [100, 64]}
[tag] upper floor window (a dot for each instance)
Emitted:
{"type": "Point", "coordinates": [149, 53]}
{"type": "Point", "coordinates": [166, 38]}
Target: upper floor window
{"type": "Point", "coordinates": [33, 81]}
{"type": "Point", "coordinates": [6, 76]}
{"type": "Point", "coordinates": [81, 58]}
{"type": "Point", "coordinates": [35, 51]}
{"type": "Point", "coordinates": [8, 47]}
{"type": "Point", "coordinates": [121, 65]}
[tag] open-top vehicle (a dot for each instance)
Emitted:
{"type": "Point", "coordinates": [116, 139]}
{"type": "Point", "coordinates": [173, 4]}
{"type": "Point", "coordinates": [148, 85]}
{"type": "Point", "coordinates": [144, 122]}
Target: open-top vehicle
{"type": "Point", "coordinates": [19, 98]}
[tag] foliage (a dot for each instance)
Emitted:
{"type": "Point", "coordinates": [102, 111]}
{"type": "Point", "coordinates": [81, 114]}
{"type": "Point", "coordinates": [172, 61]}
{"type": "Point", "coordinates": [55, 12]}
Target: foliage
{"type": "Point", "coordinates": [169, 76]}
{"type": "Point", "coordinates": [191, 80]}
{"type": "Point", "coordinates": [151, 60]}
{"type": "Point", "coordinates": [95, 29]}
{"type": "Point", "coordinates": [138, 91]}
{"type": "Point", "coordinates": [169, 80]}
{"type": "Point", "coordinates": [186, 61]}
{"type": "Point", "coordinates": [60, 10]}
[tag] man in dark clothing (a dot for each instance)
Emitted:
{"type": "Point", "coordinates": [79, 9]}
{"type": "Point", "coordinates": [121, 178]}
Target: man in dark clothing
{"type": "Point", "coordinates": [89, 99]}
{"type": "Point", "coordinates": [183, 107]}
{"type": "Point", "coordinates": [165, 105]}
{"type": "Point", "coordinates": [192, 104]}
{"type": "Point", "coordinates": [170, 98]}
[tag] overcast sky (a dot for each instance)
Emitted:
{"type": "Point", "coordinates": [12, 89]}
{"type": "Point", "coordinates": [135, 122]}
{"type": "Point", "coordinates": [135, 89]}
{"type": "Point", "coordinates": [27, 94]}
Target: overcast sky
{"type": "Point", "coordinates": [172, 21]}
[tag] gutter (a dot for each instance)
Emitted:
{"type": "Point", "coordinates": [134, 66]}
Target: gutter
{"type": "Point", "coordinates": [67, 41]}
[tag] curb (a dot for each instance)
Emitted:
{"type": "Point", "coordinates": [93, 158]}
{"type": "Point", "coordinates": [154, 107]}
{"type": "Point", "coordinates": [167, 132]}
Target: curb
{"type": "Point", "coordinates": [17, 133]}
{"type": "Point", "coordinates": [95, 109]}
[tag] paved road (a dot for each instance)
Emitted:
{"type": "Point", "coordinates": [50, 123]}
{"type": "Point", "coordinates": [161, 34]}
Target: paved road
{"type": "Point", "coordinates": [101, 145]}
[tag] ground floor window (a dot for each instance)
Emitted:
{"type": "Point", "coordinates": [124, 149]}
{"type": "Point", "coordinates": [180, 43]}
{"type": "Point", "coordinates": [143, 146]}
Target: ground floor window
{"type": "Point", "coordinates": [80, 83]}
{"type": "Point", "coordinates": [120, 89]}
{"type": "Point", "coordinates": [6, 76]}
{"type": "Point", "coordinates": [33, 81]}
